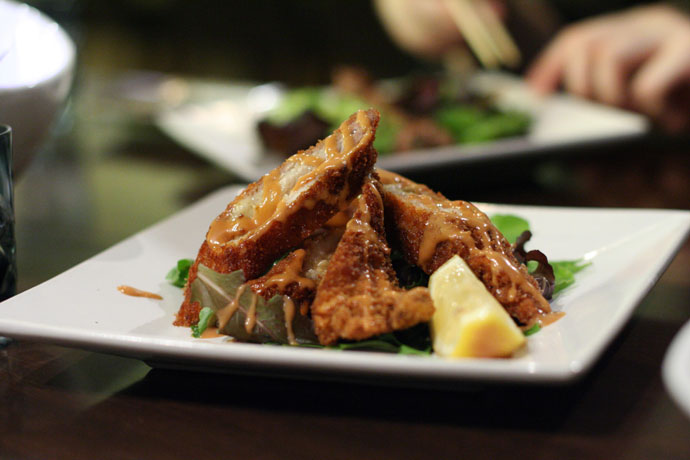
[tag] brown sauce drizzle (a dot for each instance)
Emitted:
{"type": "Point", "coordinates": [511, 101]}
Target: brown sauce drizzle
{"type": "Point", "coordinates": [225, 314]}
{"type": "Point", "coordinates": [272, 206]}
{"type": "Point", "coordinates": [134, 292]}
{"type": "Point", "coordinates": [211, 333]}
{"type": "Point", "coordinates": [250, 320]}
{"type": "Point", "coordinates": [289, 311]}
{"type": "Point", "coordinates": [361, 220]}
{"type": "Point", "coordinates": [292, 273]}
{"type": "Point", "coordinates": [436, 231]}
{"type": "Point", "coordinates": [304, 308]}
{"type": "Point", "coordinates": [338, 220]}
{"type": "Point", "coordinates": [550, 318]}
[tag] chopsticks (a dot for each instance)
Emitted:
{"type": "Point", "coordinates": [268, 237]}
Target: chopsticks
{"type": "Point", "coordinates": [484, 32]}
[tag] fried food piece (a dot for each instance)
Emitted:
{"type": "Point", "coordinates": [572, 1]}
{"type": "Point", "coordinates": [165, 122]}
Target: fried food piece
{"type": "Point", "coordinates": [299, 273]}
{"type": "Point", "coordinates": [288, 204]}
{"type": "Point", "coordinates": [359, 296]}
{"type": "Point", "coordinates": [430, 229]}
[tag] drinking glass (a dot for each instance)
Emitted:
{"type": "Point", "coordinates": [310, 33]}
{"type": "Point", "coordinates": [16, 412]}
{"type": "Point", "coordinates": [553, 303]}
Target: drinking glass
{"type": "Point", "coordinates": [8, 262]}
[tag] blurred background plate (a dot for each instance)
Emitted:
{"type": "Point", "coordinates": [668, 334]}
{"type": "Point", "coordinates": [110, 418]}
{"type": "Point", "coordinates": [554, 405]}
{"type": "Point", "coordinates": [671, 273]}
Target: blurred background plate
{"type": "Point", "coordinates": [223, 129]}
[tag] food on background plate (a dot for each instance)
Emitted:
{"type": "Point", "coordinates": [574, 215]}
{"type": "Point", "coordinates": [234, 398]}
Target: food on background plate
{"type": "Point", "coordinates": [417, 113]}
{"type": "Point", "coordinates": [326, 250]}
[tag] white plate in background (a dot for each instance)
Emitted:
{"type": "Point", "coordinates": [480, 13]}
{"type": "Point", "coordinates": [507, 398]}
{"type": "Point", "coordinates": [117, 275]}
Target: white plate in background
{"type": "Point", "coordinates": [223, 129]}
{"type": "Point", "coordinates": [628, 251]}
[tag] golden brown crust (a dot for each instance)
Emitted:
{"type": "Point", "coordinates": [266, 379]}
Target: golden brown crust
{"type": "Point", "coordinates": [359, 297]}
{"type": "Point", "coordinates": [327, 191]}
{"type": "Point", "coordinates": [412, 210]}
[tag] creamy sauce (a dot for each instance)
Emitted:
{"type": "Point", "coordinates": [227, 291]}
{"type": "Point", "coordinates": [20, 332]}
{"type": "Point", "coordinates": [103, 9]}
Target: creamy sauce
{"type": "Point", "coordinates": [250, 320]}
{"type": "Point", "coordinates": [338, 220]}
{"type": "Point", "coordinates": [225, 314]}
{"type": "Point", "coordinates": [361, 220]}
{"type": "Point", "coordinates": [211, 333]}
{"type": "Point", "coordinates": [436, 231]}
{"type": "Point", "coordinates": [134, 292]}
{"type": "Point", "coordinates": [291, 273]}
{"type": "Point", "coordinates": [549, 318]}
{"type": "Point", "coordinates": [273, 207]}
{"type": "Point", "coordinates": [304, 309]}
{"type": "Point", "coordinates": [289, 311]}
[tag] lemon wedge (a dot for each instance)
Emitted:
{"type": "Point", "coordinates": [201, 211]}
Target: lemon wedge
{"type": "Point", "coordinates": [469, 321]}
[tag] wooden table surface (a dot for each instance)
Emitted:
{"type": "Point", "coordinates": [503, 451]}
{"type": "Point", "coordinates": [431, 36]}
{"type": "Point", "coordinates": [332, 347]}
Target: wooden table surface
{"type": "Point", "coordinates": [111, 174]}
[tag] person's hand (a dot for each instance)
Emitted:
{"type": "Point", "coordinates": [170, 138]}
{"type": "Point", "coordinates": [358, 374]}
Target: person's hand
{"type": "Point", "coordinates": [424, 28]}
{"type": "Point", "coordinates": [638, 59]}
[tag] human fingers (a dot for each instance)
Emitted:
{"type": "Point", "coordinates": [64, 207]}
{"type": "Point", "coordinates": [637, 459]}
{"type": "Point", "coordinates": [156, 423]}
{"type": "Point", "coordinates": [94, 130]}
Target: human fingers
{"type": "Point", "coordinates": [546, 72]}
{"type": "Point", "coordinates": [577, 72]}
{"type": "Point", "coordinates": [613, 63]}
{"type": "Point", "coordinates": [568, 59]}
{"type": "Point", "coordinates": [665, 71]}
{"type": "Point", "coordinates": [424, 28]}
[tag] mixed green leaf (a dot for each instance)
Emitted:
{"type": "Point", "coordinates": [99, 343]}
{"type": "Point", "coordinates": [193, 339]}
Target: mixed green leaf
{"type": "Point", "coordinates": [469, 124]}
{"type": "Point", "coordinates": [510, 226]}
{"type": "Point", "coordinates": [206, 316]}
{"type": "Point", "coordinates": [333, 107]}
{"type": "Point", "coordinates": [177, 276]}
{"type": "Point", "coordinates": [413, 341]}
{"type": "Point", "coordinates": [564, 271]}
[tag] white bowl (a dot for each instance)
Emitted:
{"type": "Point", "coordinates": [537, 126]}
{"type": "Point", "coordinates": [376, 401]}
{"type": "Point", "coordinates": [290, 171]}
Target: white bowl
{"type": "Point", "coordinates": [36, 68]}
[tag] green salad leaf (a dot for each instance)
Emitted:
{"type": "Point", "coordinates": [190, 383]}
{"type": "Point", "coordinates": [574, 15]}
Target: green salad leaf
{"type": "Point", "coordinates": [332, 107]}
{"type": "Point", "coordinates": [510, 226]}
{"type": "Point", "coordinates": [496, 125]}
{"type": "Point", "coordinates": [294, 103]}
{"type": "Point", "coordinates": [413, 341]}
{"type": "Point", "coordinates": [469, 124]}
{"type": "Point", "coordinates": [177, 276]}
{"type": "Point", "coordinates": [206, 315]}
{"type": "Point", "coordinates": [532, 330]}
{"type": "Point", "coordinates": [565, 271]}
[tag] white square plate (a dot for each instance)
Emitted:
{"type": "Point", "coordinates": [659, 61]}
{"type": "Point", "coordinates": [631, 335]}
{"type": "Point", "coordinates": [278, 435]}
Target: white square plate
{"type": "Point", "coordinates": [628, 251]}
{"type": "Point", "coordinates": [218, 123]}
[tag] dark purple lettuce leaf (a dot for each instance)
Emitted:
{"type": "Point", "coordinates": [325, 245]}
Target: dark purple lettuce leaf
{"type": "Point", "coordinates": [298, 134]}
{"type": "Point", "coordinates": [543, 272]}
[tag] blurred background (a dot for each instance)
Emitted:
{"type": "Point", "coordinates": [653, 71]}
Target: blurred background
{"type": "Point", "coordinates": [107, 159]}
